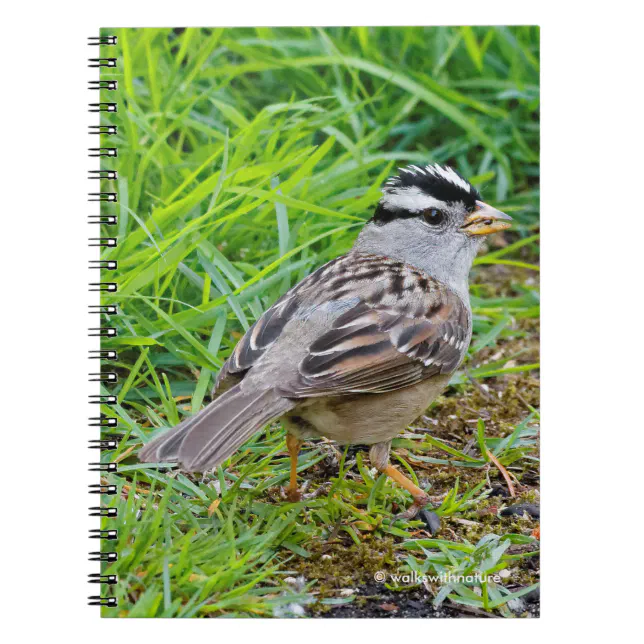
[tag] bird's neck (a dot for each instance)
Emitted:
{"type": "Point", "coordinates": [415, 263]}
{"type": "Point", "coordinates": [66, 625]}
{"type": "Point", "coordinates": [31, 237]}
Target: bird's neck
{"type": "Point", "coordinates": [450, 266]}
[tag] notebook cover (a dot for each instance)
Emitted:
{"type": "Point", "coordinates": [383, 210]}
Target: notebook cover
{"type": "Point", "coordinates": [229, 165]}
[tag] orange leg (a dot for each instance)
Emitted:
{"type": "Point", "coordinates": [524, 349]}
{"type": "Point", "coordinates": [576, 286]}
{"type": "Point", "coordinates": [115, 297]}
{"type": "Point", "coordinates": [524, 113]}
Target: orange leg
{"type": "Point", "coordinates": [379, 456]}
{"type": "Point", "coordinates": [292, 493]}
{"type": "Point", "coordinates": [401, 479]}
{"type": "Point", "coordinates": [421, 499]}
{"type": "Point", "coordinates": [293, 446]}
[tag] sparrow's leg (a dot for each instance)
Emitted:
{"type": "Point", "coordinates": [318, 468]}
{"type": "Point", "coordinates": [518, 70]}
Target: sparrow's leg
{"type": "Point", "coordinates": [293, 446]}
{"type": "Point", "coordinates": [379, 457]}
{"type": "Point", "coordinates": [292, 493]}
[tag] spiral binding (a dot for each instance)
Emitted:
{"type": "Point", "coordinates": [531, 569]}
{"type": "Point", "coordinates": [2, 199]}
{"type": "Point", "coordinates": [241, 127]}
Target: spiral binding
{"type": "Point", "coordinates": [103, 107]}
{"type": "Point", "coordinates": [103, 354]}
{"type": "Point", "coordinates": [103, 220]}
{"type": "Point", "coordinates": [103, 152]}
{"type": "Point", "coordinates": [103, 264]}
{"type": "Point", "coordinates": [106, 442]}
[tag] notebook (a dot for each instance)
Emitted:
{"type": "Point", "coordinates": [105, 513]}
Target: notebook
{"type": "Point", "coordinates": [316, 305]}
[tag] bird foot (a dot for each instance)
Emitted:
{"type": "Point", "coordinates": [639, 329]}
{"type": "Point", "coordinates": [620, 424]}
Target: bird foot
{"type": "Point", "coordinates": [410, 513]}
{"type": "Point", "coordinates": [290, 495]}
{"type": "Point", "coordinates": [420, 506]}
{"type": "Point", "coordinates": [295, 495]}
{"type": "Point", "coordinates": [319, 492]}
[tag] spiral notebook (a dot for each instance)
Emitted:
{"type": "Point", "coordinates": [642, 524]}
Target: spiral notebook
{"type": "Point", "coordinates": [315, 307]}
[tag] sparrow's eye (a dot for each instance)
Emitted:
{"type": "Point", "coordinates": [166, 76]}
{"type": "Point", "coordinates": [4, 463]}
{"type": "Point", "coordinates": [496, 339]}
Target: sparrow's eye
{"type": "Point", "coordinates": [434, 216]}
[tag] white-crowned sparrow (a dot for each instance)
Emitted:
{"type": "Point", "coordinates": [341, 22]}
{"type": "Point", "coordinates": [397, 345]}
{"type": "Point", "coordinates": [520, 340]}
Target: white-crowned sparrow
{"type": "Point", "coordinates": [361, 347]}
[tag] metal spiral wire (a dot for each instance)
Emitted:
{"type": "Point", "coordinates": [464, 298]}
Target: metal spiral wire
{"type": "Point", "coordinates": [106, 238]}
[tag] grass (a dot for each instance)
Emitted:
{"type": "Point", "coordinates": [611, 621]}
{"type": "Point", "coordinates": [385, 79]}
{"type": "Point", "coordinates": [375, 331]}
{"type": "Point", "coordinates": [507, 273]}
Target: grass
{"type": "Point", "coordinates": [246, 159]}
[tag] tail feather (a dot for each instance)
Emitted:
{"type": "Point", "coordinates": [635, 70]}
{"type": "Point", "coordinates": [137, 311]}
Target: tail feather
{"type": "Point", "coordinates": [166, 447]}
{"type": "Point", "coordinates": [208, 438]}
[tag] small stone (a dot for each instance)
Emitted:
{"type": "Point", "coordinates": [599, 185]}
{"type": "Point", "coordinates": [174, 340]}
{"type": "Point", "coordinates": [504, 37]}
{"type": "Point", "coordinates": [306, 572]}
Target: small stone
{"type": "Point", "coordinates": [466, 522]}
{"type": "Point", "coordinates": [388, 607]}
{"type": "Point", "coordinates": [533, 596]}
{"type": "Point", "coordinates": [347, 592]}
{"type": "Point", "coordinates": [517, 605]}
{"type": "Point", "coordinates": [520, 509]}
{"type": "Point", "coordinates": [504, 573]}
{"type": "Point", "coordinates": [499, 490]}
{"type": "Point", "coordinates": [431, 520]}
{"type": "Point", "coordinates": [216, 486]}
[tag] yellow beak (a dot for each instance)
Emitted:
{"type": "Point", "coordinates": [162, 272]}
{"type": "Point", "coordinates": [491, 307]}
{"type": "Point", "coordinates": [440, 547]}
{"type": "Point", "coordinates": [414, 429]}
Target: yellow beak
{"type": "Point", "coordinates": [485, 220]}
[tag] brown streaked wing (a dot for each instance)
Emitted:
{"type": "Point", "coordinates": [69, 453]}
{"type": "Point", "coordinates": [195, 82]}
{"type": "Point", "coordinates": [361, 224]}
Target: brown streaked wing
{"type": "Point", "coordinates": [376, 347]}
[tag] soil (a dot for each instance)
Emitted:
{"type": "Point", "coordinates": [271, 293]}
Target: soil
{"type": "Point", "coordinates": [372, 602]}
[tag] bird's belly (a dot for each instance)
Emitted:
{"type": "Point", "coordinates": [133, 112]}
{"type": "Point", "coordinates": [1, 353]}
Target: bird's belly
{"type": "Point", "coordinates": [364, 418]}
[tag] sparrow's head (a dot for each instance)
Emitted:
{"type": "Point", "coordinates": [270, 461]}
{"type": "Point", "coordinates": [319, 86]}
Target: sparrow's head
{"type": "Point", "coordinates": [441, 199]}
{"type": "Point", "coordinates": [431, 217]}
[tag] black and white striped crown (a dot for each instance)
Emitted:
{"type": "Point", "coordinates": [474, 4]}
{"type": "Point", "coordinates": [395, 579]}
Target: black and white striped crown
{"type": "Point", "coordinates": [440, 183]}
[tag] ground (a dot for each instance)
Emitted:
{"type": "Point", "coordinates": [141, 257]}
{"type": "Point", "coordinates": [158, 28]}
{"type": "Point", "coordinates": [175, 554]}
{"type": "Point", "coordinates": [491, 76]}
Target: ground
{"type": "Point", "coordinates": [326, 567]}
{"type": "Point", "coordinates": [503, 403]}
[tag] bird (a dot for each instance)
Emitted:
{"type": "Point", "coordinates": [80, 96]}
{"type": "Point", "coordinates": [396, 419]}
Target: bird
{"type": "Point", "coordinates": [362, 346]}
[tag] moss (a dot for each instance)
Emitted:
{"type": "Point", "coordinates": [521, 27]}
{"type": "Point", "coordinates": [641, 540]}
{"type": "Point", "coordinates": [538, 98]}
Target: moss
{"type": "Point", "coordinates": [337, 565]}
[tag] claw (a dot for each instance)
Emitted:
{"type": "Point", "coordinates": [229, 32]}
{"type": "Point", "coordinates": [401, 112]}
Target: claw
{"type": "Point", "coordinates": [410, 513]}
{"type": "Point", "coordinates": [294, 496]}
{"type": "Point", "coordinates": [314, 495]}
{"type": "Point", "coordinates": [288, 494]}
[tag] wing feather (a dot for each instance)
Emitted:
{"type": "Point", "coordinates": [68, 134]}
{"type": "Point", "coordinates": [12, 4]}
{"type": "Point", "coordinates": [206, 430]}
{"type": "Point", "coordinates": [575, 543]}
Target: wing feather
{"type": "Point", "coordinates": [386, 342]}
{"type": "Point", "coordinates": [401, 326]}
